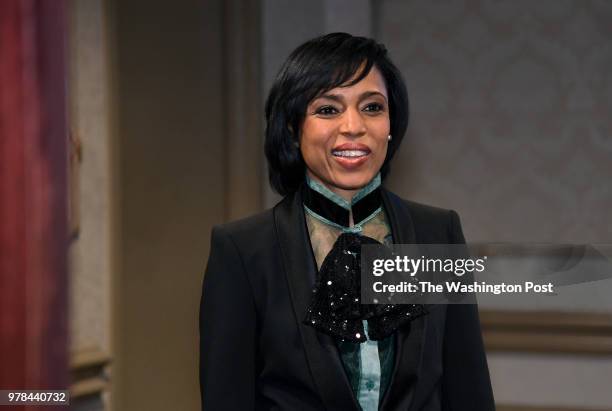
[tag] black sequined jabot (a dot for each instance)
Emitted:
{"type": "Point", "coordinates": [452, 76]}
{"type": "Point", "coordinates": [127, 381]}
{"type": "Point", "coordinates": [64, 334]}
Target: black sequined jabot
{"type": "Point", "coordinates": [336, 309]}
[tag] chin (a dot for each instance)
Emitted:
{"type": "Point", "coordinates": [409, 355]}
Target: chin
{"type": "Point", "coordinates": [354, 182]}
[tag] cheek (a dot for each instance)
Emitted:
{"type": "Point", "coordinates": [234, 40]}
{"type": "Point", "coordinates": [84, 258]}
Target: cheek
{"type": "Point", "coordinates": [380, 133]}
{"type": "Point", "coordinates": [314, 140]}
{"type": "Point", "coordinates": [382, 153]}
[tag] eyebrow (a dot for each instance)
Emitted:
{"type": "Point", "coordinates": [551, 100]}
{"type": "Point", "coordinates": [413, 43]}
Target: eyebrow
{"type": "Point", "coordinates": [362, 96]}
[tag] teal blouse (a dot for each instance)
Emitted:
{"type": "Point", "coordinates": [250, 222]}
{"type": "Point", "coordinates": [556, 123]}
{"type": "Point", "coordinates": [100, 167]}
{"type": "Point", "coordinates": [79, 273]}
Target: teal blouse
{"type": "Point", "coordinates": [368, 365]}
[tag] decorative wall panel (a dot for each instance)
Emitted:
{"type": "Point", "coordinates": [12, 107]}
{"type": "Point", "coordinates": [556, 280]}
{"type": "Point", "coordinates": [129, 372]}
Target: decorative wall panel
{"type": "Point", "coordinates": [511, 104]}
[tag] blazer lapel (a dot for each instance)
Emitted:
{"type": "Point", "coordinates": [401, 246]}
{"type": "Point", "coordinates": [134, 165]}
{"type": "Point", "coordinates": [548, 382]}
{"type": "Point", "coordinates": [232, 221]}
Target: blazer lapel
{"type": "Point", "coordinates": [300, 268]}
{"type": "Point", "coordinates": [410, 339]}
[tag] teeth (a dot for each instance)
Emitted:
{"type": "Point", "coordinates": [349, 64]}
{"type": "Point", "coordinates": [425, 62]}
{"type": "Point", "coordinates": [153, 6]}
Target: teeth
{"type": "Point", "coordinates": [349, 153]}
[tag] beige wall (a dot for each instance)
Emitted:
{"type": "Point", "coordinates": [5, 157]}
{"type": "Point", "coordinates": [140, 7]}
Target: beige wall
{"type": "Point", "coordinates": [91, 251]}
{"type": "Point", "coordinates": [169, 131]}
{"type": "Point", "coordinates": [168, 62]}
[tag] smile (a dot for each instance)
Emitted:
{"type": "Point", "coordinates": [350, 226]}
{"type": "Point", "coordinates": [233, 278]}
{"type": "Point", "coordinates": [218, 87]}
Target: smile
{"type": "Point", "coordinates": [350, 153]}
{"type": "Point", "coordinates": [351, 156]}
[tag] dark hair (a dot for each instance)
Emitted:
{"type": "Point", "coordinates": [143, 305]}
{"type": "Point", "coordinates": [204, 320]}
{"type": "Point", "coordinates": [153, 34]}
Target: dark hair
{"type": "Point", "coordinates": [315, 67]}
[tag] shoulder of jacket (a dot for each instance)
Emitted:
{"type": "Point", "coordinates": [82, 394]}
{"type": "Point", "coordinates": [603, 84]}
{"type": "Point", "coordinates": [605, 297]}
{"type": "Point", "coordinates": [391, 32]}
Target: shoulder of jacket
{"type": "Point", "coordinates": [248, 226]}
{"type": "Point", "coordinates": [431, 224]}
{"type": "Point", "coordinates": [420, 210]}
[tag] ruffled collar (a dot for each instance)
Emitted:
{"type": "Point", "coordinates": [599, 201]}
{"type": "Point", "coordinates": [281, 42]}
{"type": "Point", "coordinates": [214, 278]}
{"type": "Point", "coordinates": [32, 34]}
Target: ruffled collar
{"type": "Point", "coordinates": [331, 209]}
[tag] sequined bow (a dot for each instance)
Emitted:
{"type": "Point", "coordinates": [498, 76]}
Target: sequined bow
{"type": "Point", "coordinates": [336, 309]}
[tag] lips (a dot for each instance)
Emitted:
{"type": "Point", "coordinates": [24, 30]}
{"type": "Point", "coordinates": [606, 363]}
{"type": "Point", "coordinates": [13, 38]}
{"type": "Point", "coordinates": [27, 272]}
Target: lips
{"type": "Point", "coordinates": [351, 155]}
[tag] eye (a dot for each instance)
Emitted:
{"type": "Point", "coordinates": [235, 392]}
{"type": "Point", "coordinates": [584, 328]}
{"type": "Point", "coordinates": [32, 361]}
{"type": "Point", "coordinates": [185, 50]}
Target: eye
{"type": "Point", "coordinates": [326, 111]}
{"type": "Point", "coordinates": [374, 108]}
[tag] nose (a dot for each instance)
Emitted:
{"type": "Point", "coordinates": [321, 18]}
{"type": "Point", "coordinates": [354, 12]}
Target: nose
{"type": "Point", "coordinates": [353, 124]}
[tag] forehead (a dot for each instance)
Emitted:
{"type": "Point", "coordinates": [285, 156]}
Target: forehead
{"type": "Point", "coordinates": [373, 81]}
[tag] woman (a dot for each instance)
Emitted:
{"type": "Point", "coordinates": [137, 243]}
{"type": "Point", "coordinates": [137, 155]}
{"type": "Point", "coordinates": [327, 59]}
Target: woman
{"type": "Point", "coordinates": [336, 115]}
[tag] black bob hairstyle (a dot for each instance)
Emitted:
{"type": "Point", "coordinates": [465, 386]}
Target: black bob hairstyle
{"type": "Point", "coordinates": [315, 67]}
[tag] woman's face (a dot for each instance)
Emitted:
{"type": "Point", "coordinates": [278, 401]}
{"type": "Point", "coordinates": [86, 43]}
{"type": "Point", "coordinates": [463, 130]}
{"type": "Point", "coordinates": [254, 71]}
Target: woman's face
{"type": "Point", "coordinates": [345, 135]}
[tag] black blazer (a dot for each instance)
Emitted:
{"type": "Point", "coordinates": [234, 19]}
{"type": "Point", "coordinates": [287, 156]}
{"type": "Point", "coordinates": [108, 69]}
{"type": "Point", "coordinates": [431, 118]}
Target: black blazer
{"type": "Point", "coordinates": [255, 353]}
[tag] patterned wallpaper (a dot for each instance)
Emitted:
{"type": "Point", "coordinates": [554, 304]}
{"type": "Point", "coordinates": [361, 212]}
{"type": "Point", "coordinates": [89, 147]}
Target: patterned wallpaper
{"type": "Point", "coordinates": [511, 104]}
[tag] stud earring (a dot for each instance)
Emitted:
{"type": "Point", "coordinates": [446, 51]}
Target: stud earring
{"type": "Point", "coordinates": [389, 137]}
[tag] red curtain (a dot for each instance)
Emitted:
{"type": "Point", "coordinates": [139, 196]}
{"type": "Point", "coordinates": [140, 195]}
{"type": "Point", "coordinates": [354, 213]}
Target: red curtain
{"type": "Point", "coordinates": [33, 175]}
